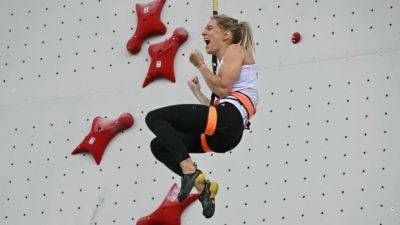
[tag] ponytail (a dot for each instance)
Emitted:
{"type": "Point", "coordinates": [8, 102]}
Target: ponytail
{"type": "Point", "coordinates": [247, 40]}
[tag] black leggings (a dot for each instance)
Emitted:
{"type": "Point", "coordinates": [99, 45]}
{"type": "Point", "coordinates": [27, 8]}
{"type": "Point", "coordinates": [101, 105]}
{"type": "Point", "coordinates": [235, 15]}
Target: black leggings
{"type": "Point", "coordinates": [178, 129]}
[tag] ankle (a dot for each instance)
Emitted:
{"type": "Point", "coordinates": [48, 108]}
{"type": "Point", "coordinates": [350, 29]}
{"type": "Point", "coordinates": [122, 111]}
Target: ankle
{"type": "Point", "coordinates": [199, 187]}
{"type": "Point", "coordinates": [188, 166]}
{"type": "Point", "coordinates": [188, 171]}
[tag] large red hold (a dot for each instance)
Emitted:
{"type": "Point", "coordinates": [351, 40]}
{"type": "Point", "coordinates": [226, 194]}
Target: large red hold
{"type": "Point", "coordinates": [163, 55]}
{"type": "Point", "coordinates": [148, 24]}
{"type": "Point", "coordinates": [170, 210]}
{"type": "Point", "coordinates": [101, 133]}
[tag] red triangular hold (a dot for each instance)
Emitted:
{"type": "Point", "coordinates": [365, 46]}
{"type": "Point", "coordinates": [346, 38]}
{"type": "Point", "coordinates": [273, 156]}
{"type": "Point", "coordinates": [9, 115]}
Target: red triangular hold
{"type": "Point", "coordinates": [101, 133]}
{"type": "Point", "coordinates": [163, 56]}
{"type": "Point", "coordinates": [148, 24]}
{"type": "Point", "coordinates": [170, 210]}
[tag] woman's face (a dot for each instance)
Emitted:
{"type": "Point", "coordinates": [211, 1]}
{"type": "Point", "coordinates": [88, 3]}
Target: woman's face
{"type": "Point", "coordinates": [214, 37]}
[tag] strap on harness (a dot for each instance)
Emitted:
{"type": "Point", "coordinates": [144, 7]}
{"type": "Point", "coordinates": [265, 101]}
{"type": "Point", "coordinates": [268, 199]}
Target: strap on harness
{"type": "Point", "coordinates": [210, 128]}
{"type": "Point", "coordinates": [246, 102]}
{"type": "Point", "coordinates": [212, 116]}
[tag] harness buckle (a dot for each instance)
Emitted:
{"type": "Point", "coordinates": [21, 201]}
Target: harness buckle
{"type": "Point", "coordinates": [247, 125]}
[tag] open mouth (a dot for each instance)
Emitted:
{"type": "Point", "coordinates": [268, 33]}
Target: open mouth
{"type": "Point", "coordinates": [207, 41]}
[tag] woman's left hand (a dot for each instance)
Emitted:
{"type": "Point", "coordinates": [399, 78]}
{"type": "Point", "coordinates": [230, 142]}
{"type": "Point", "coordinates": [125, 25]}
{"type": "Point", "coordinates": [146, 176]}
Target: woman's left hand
{"type": "Point", "coordinates": [196, 58]}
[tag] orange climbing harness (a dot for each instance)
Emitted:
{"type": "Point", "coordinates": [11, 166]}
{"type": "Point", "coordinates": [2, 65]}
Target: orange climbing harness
{"type": "Point", "coordinates": [212, 117]}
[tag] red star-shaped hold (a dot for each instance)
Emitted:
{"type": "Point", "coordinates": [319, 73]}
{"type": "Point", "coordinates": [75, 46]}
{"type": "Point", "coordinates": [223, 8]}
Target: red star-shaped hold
{"type": "Point", "coordinates": [101, 133]}
{"type": "Point", "coordinates": [170, 210]}
{"type": "Point", "coordinates": [148, 24]}
{"type": "Point", "coordinates": [163, 56]}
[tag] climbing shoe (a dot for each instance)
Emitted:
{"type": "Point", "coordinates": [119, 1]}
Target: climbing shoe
{"type": "Point", "coordinates": [207, 198]}
{"type": "Point", "coordinates": [188, 181]}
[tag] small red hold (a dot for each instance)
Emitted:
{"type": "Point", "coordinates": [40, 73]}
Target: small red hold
{"type": "Point", "coordinates": [101, 133]}
{"type": "Point", "coordinates": [163, 55]}
{"type": "Point", "coordinates": [148, 24]}
{"type": "Point", "coordinates": [170, 210]}
{"type": "Point", "coordinates": [296, 37]}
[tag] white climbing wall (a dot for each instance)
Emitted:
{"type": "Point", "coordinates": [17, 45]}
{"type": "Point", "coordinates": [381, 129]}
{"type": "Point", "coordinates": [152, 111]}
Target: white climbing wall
{"type": "Point", "coordinates": [323, 148]}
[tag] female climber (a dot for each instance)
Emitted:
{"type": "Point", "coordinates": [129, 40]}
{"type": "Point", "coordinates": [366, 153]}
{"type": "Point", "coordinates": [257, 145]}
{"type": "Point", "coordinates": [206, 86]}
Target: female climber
{"type": "Point", "coordinates": [217, 127]}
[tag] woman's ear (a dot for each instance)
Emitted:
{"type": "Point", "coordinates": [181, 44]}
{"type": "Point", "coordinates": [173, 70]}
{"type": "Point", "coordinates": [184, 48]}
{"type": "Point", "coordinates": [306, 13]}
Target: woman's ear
{"type": "Point", "coordinates": [228, 35]}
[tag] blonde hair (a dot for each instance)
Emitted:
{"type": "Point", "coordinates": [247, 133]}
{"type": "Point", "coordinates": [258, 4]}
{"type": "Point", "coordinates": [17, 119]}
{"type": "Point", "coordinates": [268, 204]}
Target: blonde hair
{"type": "Point", "coordinates": [241, 31]}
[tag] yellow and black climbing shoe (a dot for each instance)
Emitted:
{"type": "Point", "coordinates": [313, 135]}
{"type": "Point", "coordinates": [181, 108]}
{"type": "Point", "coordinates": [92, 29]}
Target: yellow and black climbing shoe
{"type": "Point", "coordinates": [188, 181]}
{"type": "Point", "coordinates": [207, 198]}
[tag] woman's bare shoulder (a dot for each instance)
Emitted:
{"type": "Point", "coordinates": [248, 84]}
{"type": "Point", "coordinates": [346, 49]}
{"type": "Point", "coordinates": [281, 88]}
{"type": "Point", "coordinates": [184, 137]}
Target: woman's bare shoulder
{"type": "Point", "coordinates": [236, 51]}
{"type": "Point", "coordinates": [247, 56]}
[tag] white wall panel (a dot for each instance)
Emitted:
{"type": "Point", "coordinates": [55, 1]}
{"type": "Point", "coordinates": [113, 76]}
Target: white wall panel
{"type": "Point", "coordinates": [322, 148]}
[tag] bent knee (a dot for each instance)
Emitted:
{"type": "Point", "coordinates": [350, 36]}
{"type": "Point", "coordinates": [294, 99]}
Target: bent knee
{"type": "Point", "coordinates": [150, 118]}
{"type": "Point", "coordinates": [155, 147]}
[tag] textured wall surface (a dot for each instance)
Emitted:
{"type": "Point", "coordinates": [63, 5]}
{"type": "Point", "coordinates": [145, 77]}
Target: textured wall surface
{"type": "Point", "coordinates": [322, 148]}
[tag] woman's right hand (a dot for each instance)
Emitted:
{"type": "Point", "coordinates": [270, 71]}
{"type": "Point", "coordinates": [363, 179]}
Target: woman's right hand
{"type": "Point", "coordinates": [194, 84]}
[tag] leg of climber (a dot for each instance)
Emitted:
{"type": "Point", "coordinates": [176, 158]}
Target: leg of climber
{"type": "Point", "coordinates": [227, 136]}
{"type": "Point", "coordinates": [163, 155]}
{"type": "Point", "coordinates": [208, 190]}
{"type": "Point", "coordinates": [167, 124]}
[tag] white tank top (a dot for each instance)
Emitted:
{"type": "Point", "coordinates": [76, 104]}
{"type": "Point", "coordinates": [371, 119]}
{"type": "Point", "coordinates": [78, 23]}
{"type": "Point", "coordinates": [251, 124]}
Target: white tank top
{"type": "Point", "coordinates": [246, 83]}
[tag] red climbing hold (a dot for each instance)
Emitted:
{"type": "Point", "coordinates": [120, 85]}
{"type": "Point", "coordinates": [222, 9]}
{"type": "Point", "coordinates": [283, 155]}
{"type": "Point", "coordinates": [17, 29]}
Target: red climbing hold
{"type": "Point", "coordinates": [101, 133]}
{"type": "Point", "coordinates": [163, 56]}
{"type": "Point", "coordinates": [296, 37]}
{"type": "Point", "coordinates": [170, 210]}
{"type": "Point", "coordinates": [148, 24]}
